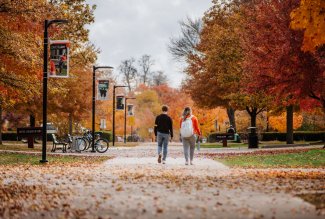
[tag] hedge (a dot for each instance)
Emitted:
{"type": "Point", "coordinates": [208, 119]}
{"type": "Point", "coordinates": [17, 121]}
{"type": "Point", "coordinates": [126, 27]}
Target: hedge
{"type": "Point", "coordinates": [107, 135]}
{"type": "Point", "coordinates": [297, 136]}
{"type": "Point", "coordinates": [280, 136]}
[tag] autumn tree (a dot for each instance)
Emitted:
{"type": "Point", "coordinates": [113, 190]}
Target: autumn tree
{"type": "Point", "coordinates": [185, 45]}
{"type": "Point", "coordinates": [145, 64]}
{"type": "Point", "coordinates": [159, 78]}
{"type": "Point", "coordinates": [273, 58]}
{"type": "Point", "coordinates": [129, 72]}
{"type": "Point", "coordinates": [148, 106]}
{"type": "Point", "coordinates": [214, 71]}
{"type": "Point", "coordinates": [279, 122]}
{"type": "Point", "coordinates": [310, 17]}
{"type": "Point", "coordinates": [21, 48]}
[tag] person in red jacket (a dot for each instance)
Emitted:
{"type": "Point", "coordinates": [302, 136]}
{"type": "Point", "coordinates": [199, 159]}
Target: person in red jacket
{"type": "Point", "coordinates": [189, 128]}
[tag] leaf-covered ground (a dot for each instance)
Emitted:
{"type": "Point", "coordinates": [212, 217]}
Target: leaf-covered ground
{"type": "Point", "coordinates": [133, 185]}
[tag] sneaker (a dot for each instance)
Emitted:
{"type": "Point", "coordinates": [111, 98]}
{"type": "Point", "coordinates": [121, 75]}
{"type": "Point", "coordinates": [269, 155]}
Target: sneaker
{"type": "Point", "coordinates": [159, 158]}
{"type": "Point", "coordinates": [186, 162]}
{"type": "Point", "coordinates": [191, 162]}
{"type": "Point", "coordinates": [163, 162]}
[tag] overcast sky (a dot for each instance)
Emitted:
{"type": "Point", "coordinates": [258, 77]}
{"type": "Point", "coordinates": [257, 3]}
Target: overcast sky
{"type": "Point", "coordinates": [131, 28]}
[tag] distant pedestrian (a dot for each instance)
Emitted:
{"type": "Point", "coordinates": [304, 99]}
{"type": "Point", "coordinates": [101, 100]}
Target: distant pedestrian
{"type": "Point", "coordinates": [189, 130]}
{"type": "Point", "coordinates": [163, 129]}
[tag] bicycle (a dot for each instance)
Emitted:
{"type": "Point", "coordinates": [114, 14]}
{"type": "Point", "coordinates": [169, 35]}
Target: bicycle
{"type": "Point", "coordinates": [85, 142]}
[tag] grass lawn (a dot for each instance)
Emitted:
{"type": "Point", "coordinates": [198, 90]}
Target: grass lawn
{"type": "Point", "coordinates": [311, 158]}
{"type": "Point", "coordinates": [33, 159]}
{"type": "Point", "coordinates": [245, 145]}
{"type": "Point", "coordinates": [19, 146]}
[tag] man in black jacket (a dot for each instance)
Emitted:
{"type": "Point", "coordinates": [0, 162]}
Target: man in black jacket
{"type": "Point", "coordinates": [163, 128]}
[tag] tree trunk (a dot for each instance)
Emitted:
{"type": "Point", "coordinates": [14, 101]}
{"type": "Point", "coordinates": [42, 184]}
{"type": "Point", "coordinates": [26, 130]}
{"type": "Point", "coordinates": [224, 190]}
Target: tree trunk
{"type": "Point", "coordinates": [31, 140]}
{"type": "Point", "coordinates": [32, 120]}
{"type": "Point", "coordinates": [290, 124]}
{"type": "Point", "coordinates": [253, 118]}
{"type": "Point", "coordinates": [231, 116]}
{"type": "Point", "coordinates": [0, 122]}
{"type": "Point", "coordinates": [70, 123]}
{"type": "Point", "coordinates": [267, 122]}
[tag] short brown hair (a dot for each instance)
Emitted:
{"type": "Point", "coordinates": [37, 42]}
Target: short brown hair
{"type": "Point", "coordinates": [164, 108]}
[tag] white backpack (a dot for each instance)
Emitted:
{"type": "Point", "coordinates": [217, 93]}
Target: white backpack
{"type": "Point", "coordinates": [187, 128]}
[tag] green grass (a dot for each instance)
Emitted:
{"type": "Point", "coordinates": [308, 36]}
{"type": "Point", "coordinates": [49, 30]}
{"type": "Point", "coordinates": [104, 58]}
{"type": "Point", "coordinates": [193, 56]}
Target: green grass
{"type": "Point", "coordinates": [13, 146]}
{"type": "Point", "coordinates": [311, 158]}
{"type": "Point", "coordinates": [33, 159]}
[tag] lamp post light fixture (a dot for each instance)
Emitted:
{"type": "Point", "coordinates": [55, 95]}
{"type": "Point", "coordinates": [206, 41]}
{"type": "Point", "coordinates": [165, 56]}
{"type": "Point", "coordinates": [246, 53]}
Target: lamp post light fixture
{"type": "Point", "coordinates": [125, 105]}
{"type": "Point", "coordinates": [114, 87]}
{"type": "Point", "coordinates": [94, 103]}
{"type": "Point", "coordinates": [47, 24]}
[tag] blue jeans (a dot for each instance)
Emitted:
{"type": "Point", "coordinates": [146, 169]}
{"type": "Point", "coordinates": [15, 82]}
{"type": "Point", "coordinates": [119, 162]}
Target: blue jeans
{"type": "Point", "coordinates": [162, 140]}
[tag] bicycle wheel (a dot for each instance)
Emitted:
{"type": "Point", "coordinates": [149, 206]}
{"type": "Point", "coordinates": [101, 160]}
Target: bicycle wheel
{"type": "Point", "coordinates": [101, 145]}
{"type": "Point", "coordinates": [81, 144]}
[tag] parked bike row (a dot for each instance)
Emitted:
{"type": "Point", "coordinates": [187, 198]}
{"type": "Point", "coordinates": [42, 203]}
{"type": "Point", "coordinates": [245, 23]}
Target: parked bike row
{"type": "Point", "coordinates": [81, 143]}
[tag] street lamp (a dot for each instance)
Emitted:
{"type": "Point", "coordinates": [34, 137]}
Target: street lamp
{"type": "Point", "coordinates": [114, 87]}
{"type": "Point", "coordinates": [126, 98]}
{"type": "Point", "coordinates": [47, 24]}
{"type": "Point", "coordinates": [94, 101]}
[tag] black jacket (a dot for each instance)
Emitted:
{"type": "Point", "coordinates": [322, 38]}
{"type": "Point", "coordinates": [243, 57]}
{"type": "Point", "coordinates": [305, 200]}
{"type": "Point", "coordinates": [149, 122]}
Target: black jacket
{"type": "Point", "coordinates": [164, 124]}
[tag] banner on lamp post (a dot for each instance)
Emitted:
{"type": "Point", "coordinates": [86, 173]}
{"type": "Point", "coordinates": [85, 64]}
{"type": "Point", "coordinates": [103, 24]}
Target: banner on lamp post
{"type": "Point", "coordinates": [59, 58]}
{"type": "Point", "coordinates": [130, 110]}
{"type": "Point", "coordinates": [102, 123]}
{"type": "Point", "coordinates": [102, 89]}
{"type": "Point", "coordinates": [119, 102]}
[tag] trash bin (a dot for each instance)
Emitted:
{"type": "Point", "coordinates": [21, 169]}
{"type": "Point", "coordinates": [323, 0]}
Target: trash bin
{"type": "Point", "coordinates": [236, 138]}
{"type": "Point", "coordinates": [252, 138]}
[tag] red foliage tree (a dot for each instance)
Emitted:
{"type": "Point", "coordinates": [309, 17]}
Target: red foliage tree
{"type": "Point", "coordinates": [273, 56]}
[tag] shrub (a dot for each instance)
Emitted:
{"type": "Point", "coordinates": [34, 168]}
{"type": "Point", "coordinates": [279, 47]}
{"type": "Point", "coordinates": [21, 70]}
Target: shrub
{"type": "Point", "coordinates": [281, 136]}
{"type": "Point", "coordinates": [107, 135]}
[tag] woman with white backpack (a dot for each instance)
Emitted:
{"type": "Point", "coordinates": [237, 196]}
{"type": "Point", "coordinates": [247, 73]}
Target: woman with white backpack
{"type": "Point", "coordinates": [189, 128]}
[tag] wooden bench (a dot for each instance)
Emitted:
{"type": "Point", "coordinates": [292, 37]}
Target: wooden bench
{"type": "Point", "coordinates": [56, 142]}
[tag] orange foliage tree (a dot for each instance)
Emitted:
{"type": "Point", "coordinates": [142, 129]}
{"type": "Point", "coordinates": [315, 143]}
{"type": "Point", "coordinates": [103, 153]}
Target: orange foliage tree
{"type": "Point", "coordinates": [310, 17]}
{"type": "Point", "coordinates": [279, 122]}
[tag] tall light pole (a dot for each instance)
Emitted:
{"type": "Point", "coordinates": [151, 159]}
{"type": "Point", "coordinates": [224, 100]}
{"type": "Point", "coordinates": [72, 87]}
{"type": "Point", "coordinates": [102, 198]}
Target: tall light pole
{"type": "Point", "coordinates": [114, 87]}
{"type": "Point", "coordinates": [126, 98]}
{"type": "Point", "coordinates": [47, 24]}
{"type": "Point", "coordinates": [94, 103]}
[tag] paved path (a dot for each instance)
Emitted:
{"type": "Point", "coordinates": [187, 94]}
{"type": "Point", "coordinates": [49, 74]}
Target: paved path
{"type": "Point", "coordinates": [134, 185]}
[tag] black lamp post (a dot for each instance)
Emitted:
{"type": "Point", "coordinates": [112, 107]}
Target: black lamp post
{"type": "Point", "coordinates": [114, 87]}
{"type": "Point", "coordinates": [126, 98]}
{"type": "Point", "coordinates": [47, 24]}
{"type": "Point", "coordinates": [94, 104]}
